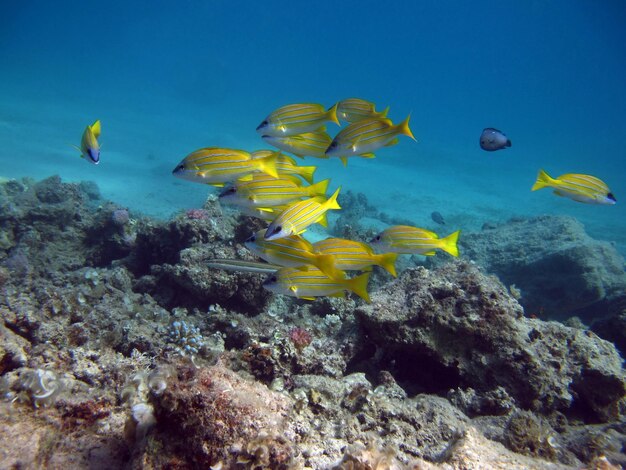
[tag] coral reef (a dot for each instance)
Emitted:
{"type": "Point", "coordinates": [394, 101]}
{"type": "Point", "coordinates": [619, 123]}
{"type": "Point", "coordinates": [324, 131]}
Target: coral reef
{"type": "Point", "coordinates": [465, 330]}
{"type": "Point", "coordinates": [559, 270]}
{"type": "Point", "coordinates": [120, 348]}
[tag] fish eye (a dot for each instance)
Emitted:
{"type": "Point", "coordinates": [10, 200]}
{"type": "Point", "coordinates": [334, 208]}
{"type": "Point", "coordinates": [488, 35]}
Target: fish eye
{"type": "Point", "coordinates": [611, 197]}
{"type": "Point", "coordinates": [377, 238]}
{"type": "Point", "coordinates": [180, 167]}
{"type": "Point", "coordinates": [252, 238]}
{"type": "Point", "coordinates": [273, 279]}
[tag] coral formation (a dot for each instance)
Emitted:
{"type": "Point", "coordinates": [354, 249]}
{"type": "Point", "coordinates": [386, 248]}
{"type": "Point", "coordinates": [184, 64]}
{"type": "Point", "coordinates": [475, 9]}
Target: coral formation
{"type": "Point", "coordinates": [442, 370]}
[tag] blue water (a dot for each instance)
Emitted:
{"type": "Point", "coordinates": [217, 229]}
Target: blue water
{"type": "Point", "coordinates": [166, 78]}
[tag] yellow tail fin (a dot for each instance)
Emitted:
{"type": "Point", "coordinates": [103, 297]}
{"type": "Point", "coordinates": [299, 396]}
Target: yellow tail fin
{"type": "Point", "coordinates": [332, 201]}
{"type": "Point", "coordinates": [331, 114]}
{"type": "Point", "coordinates": [387, 261]}
{"type": "Point", "coordinates": [268, 165]}
{"type": "Point", "coordinates": [318, 189]}
{"type": "Point", "coordinates": [543, 181]}
{"type": "Point", "coordinates": [95, 128]}
{"type": "Point", "coordinates": [403, 128]}
{"type": "Point", "coordinates": [307, 173]}
{"type": "Point", "coordinates": [326, 264]}
{"type": "Point", "coordinates": [449, 243]}
{"type": "Point", "coordinates": [358, 285]}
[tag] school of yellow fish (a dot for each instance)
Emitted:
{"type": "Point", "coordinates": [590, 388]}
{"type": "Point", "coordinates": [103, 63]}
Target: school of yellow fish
{"type": "Point", "coordinates": [270, 185]}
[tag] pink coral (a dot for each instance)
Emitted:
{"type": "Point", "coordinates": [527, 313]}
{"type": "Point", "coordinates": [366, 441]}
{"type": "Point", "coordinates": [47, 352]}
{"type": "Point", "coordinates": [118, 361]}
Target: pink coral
{"type": "Point", "coordinates": [300, 338]}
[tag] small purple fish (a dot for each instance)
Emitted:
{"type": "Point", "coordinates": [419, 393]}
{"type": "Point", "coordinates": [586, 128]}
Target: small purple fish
{"type": "Point", "coordinates": [492, 139]}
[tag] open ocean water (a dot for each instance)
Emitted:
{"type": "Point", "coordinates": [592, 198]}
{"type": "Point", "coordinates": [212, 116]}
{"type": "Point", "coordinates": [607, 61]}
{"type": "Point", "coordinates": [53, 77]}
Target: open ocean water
{"type": "Point", "coordinates": [166, 78]}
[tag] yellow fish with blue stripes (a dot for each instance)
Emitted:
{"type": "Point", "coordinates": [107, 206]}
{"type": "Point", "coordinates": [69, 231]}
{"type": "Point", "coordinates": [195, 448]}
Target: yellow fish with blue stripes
{"type": "Point", "coordinates": [285, 165]}
{"type": "Point", "coordinates": [311, 283]}
{"type": "Point", "coordinates": [309, 144]}
{"type": "Point", "coordinates": [580, 188]}
{"type": "Point", "coordinates": [297, 119]}
{"type": "Point", "coordinates": [265, 191]}
{"type": "Point", "coordinates": [355, 109]}
{"type": "Point", "coordinates": [216, 166]}
{"type": "Point", "coordinates": [350, 255]}
{"type": "Point", "coordinates": [405, 239]}
{"type": "Point", "coordinates": [89, 147]}
{"type": "Point", "coordinates": [298, 216]}
{"type": "Point", "coordinates": [364, 137]}
{"type": "Point", "coordinates": [293, 251]}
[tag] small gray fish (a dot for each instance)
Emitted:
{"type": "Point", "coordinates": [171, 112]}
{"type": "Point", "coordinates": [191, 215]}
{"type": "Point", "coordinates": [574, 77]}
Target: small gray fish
{"type": "Point", "coordinates": [239, 265]}
{"type": "Point", "coordinates": [492, 139]}
{"type": "Point", "coordinates": [437, 217]}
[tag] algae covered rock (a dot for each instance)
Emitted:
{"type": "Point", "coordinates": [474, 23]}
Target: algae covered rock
{"type": "Point", "coordinates": [559, 269]}
{"type": "Point", "coordinates": [456, 327]}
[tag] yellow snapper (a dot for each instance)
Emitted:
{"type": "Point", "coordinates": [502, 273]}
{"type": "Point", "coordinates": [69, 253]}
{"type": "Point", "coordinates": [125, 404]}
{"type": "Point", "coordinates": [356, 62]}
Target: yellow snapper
{"type": "Point", "coordinates": [89, 147]}
{"type": "Point", "coordinates": [405, 239]}
{"type": "Point", "coordinates": [309, 144]}
{"type": "Point", "coordinates": [216, 166]}
{"type": "Point", "coordinates": [363, 137]}
{"type": "Point", "coordinates": [285, 165]}
{"type": "Point", "coordinates": [265, 191]}
{"type": "Point", "coordinates": [355, 109]}
{"type": "Point", "coordinates": [295, 219]}
{"type": "Point", "coordinates": [293, 251]}
{"type": "Point", "coordinates": [310, 283]}
{"type": "Point", "coordinates": [580, 188]}
{"type": "Point", "coordinates": [350, 255]}
{"type": "Point", "coordinates": [297, 119]}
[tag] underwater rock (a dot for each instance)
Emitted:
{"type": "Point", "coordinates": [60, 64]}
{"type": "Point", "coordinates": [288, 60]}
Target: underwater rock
{"type": "Point", "coordinates": [456, 327]}
{"type": "Point", "coordinates": [559, 269]}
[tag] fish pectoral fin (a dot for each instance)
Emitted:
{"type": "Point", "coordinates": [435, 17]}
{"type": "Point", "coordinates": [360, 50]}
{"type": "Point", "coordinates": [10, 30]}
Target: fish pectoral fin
{"type": "Point", "coordinates": [307, 298]}
{"type": "Point", "coordinates": [217, 185]}
{"type": "Point", "coordinates": [77, 148]}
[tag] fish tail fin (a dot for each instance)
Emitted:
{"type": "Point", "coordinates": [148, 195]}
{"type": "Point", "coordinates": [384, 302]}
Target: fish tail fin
{"type": "Point", "coordinates": [318, 189]}
{"type": "Point", "coordinates": [358, 285]}
{"type": "Point", "coordinates": [331, 114]}
{"type": "Point", "coordinates": [388, 263]}
{"type": "Point", "coordinates": [307, 173]}
{"type": "Point", "coordinates": [96, 129]}
{"type": "Point", "coordinates": [268, 165]}
{"type": "Point", "coordinates": [326, 264]}
{"type": "Point", "coordinates": [543, 181]}
{"type": "Point", "coordinates": [384, 112]}
{"type": "Point", "coordinates": [403, 128]}
{"type": "Point", "coordinates": [332, 200]}
{"type": "Point", "coordinates": [449, 243]}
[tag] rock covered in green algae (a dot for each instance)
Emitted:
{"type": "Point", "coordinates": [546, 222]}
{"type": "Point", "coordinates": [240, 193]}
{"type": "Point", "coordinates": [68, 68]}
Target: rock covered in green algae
{"type": "Point", "coordinates": [560, 270]}
{"type": "Point", "coordinates": [456, 327]}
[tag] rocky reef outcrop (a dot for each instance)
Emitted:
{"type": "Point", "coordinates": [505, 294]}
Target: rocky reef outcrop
{"type": "Point", "coordinates": [120, 348]}
{"type": "Point", "coordinates": [559, 270]}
